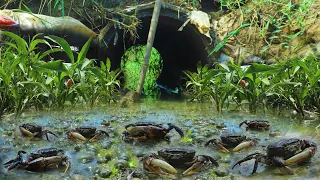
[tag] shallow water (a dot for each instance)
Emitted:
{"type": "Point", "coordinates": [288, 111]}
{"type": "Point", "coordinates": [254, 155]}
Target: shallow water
{"type": "Point", "coordinates": [198, 121]}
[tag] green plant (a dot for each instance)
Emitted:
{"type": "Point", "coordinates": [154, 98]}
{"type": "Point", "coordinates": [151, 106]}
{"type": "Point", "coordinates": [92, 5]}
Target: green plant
{"type": "Point", "coordinates": [257, 85]}
{"type": "Point", "coordinates": [28, 81]}
{"type": "Point", "coordinates": [20, 81]}
{"type": "Point", "coordinates": [198, 82]}
{"type": "Point", "coordinates": [304, 75]}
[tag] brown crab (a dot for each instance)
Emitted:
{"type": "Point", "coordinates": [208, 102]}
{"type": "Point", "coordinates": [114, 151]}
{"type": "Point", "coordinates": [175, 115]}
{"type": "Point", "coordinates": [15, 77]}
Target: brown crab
{"type": "Point", "coordinates": [256, 125]}
{"type": "Point", "coordinates": [39, 160]}
{"type": "Point", "coordinates": [34, 131]}
{"type": "Point", "coordinates": [236, 142]}
{"type": "Point", "coordinates": [283, 153]}
{"type": "Point", "coordinates": [85, 133]}
{"type": "Point", "coordinates": [142, 131]}
{"type": "Point", "coordinates": [162, 164]}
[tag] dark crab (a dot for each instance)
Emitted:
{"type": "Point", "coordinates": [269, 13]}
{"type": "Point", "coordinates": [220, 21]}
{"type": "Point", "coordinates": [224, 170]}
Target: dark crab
{"type": "Point", "coordinates": [256, 125]}
{"type": "Point", "coordinates": [34, 131]}
{"type": "Point", "coordinates": [283, 153]}
{"type": "Point", "coordinates": [162, 164]}
{"type": "Point", "coordinates": [236, 142]}
{"type": "Point", "coordinates": [39, 160]}
{"type": "Point", "coordinates": [148, 131]}
{"type": "Point", "coordinates": [85, 133]}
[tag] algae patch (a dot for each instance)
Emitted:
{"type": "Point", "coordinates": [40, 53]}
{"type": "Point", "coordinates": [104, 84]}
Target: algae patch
{"type": "Point", "coordinates": [131, 63]}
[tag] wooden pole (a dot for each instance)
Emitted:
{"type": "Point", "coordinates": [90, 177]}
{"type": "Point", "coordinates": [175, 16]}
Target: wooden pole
{"type": "Point", "coordinates": [152, 32]}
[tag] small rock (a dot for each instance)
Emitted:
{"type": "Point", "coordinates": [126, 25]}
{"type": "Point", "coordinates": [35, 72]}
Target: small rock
{"type": "Point", "coordinates": [92, 148]}
{"type": "Point", "coordinates": [77, 148]}
{"type": "Point", "coordinates": [77, 177]}
{"type": "Point", "coordinates": [139, 153]}
{"type": "Point", "coordinates": [101, 160]}
{"type": "Point", "coordinates": [105, 173]}
{"type": "Point", "coordinates": [106, 144]}
{"type": "Point", "coordinates": [124, 156]}
{"type": "Point", "coordinates": [221, 173]}
{"type": "Point", "coordinates": [105, 123]}
{"type": "Point", "coordinates": [86, 157]}
{"type": "Point", "coordinates": [200, 139]}
{"type": "Point", "coordinates": [122, 164]}
{"type": "Point", "coordinates": [274, 133]}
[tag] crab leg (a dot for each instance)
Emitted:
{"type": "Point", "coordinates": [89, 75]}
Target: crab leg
{"type": "Point", "coordinates": [46, 132]}
{"type": "Point", "coordinates": [302, 156]}
{"type": "Point", "coordinates": [244, 145]}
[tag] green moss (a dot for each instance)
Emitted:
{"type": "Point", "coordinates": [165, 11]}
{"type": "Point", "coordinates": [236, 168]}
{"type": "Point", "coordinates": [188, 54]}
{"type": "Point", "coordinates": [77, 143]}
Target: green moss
{"type": "Point", "coordinates": [187, 138]}
{"type": "Point", "coordinates": [131, 63]}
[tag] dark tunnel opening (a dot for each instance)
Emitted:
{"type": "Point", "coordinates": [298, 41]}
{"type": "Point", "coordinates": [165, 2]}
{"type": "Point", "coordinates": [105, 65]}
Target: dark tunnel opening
{"type": "Point", "coordinates": [180, 50]}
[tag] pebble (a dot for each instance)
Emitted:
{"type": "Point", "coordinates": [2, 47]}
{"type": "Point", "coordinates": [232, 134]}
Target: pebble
{"type": "Point", "coordinates": [106, 144]}
{"type": "Point", "coordinates": [105, 123]}
{"type": "Point", "coordinates": [124, 156]}
{"type": "Point", "coordinates": [77, 177]}
{"type": "Point", "coordinates": [122, 164]}
{"type": "Point", "coordinates": [86, 157]}
{"type": "Point", "coordinates": [92, 148]}
{"type": "Point", "coordinates": [221, 173]}
{"type": "Point", "coordinates": [105, 173]}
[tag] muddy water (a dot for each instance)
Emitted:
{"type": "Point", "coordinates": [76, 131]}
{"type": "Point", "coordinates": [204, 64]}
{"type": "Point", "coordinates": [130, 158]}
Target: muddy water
{"type": "Point", "coordinates": [113, 159]}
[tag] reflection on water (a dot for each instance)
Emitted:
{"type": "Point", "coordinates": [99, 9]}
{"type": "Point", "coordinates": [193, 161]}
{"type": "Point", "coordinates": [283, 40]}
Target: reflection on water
{"type": "Point", "coordinates": [199, 120]}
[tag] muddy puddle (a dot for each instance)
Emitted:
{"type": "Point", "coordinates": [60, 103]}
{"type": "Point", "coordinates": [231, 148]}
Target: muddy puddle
{"type": "Point", "coordinates": [112, 158]}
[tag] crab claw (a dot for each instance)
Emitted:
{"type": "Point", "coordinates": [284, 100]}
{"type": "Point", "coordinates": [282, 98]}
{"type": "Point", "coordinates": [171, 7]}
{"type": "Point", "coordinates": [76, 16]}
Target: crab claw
{"type": "Point", "coordinates": [218, 144]}
{"type": "Point", "coordinates": [25, 132]}
{"type": "Point", "coordinates": [76, 136]}
{"type": "Point", "coordinates": [99, 135]}
{"type": "Point", "coordinates": [162, 164]}
{"type": "Point", "coordinates": [302, 156]}
{"type": "Point", "coordinates": [193, 169]}
{"type": "Point", "coordinates": [244, 145]}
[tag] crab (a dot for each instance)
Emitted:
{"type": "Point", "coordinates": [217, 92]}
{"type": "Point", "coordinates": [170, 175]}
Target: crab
{"type": "Point", "coordinates": [236, 142]}
{"type": "Point", "coordinates": [39, 160]}
{"type": "Point", "coordinates": [178, 157]}
{"type": "Point", "coordinates": [283, 153]}
{"type": "Point", "coordinates": [34, 131]}
{"type": "Point", "coordinates": [86, 133]}
{"type": "Point", "coordinates": [142, 131]}
{"type": "Point", "coordinates": [256, 125]}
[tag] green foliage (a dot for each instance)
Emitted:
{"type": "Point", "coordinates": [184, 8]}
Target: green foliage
{"type": "Point", "coordinates": [26, 80]}
{"type": "Point", "coordinates": [131, 63]}
{"type": "Point", "coordinates": [295, 83]}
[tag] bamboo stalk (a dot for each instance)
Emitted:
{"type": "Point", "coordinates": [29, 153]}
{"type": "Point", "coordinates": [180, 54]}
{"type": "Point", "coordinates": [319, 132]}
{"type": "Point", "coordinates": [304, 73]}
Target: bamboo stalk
{"type": "Point", "coordinates": [151, 35]}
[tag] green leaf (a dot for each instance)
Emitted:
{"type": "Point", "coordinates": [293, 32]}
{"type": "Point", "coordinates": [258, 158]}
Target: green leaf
{"type": "Point", "coordinates": [257, 68]}
{"type": "Point", "coordinates": [265, 81]}
{"type": "Point", "coordinates": [54, 65]}
{"type": "Point", "coordinates": [84, 50]}
{"type": "Point", "coordinates": [49, 80]}
{"type": "Point", "coordinates": [86, 63]}
{"type": "Point", "coordinates": [64, 44]}
{"type": "Point", "coordinates": [21, 43]}
{"type": "Point", "coordinates": [108, 64]}
{"type": "Point", "coordinates": [224, 66]}
{"type": "Point", "coordinates": [46, 53]}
